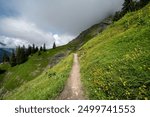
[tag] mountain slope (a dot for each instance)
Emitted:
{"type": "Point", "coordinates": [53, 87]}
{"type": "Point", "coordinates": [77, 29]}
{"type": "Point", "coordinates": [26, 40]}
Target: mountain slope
{"type": "Point", "coordinates": [115, 64]}
{"type": "Point", "coordinates": [20, 79]}
{"type": "Point", "coordinates": [88, 34]}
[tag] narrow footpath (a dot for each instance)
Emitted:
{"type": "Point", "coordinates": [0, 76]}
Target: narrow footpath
{"type": "Point", "coordinates": [73, 88]}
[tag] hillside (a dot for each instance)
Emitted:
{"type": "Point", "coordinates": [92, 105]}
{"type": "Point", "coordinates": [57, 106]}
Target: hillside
{"type": "Point", "coordinates": [46, 86]}
{"type": "Point", "coordinates": [13, 77]}
{"type": "Point", "coordinates": [88, 34]}
{"type": "Point", "coordinates": [114, 63]}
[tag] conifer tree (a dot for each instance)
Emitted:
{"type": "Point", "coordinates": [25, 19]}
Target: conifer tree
{"type": "Point", "coordinates": [129, 5]}
{"type": "Point", "coordinates": [29, 50]}
{"type": "Point", "coordinates": [54, 45]}
{"type": "Point", "coordinates": [18, 55]}
{"type": "Point", "coordinates": [13, 59]}
{"type": "Point", "coordinates": [44, 47]}
{"type": "Point", "coordinates": [33, 49]}
{"type": "Point", "coordinates": [23, 54]}
{"type": "Point", "coordinates": [41, 49]}
{"type": "Point", "coordinates": [144, 2]}
{"type": "Point", "coordinates": [36, 49]}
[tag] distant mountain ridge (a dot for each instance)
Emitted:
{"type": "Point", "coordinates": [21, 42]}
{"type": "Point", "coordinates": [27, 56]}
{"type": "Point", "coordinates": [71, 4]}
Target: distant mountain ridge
{"type": "Point", "coordinates": [91, 32]}
{"type": "Point", "coordinates": [2, 44]}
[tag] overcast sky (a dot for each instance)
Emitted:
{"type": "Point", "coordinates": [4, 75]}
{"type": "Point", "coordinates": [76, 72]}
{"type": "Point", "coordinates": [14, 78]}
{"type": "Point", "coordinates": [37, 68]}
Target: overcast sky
{"type": "Point", "coordinates": [24, 22]}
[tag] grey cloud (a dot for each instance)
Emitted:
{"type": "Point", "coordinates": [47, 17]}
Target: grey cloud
{"type": "Point", "coordinates": [46, 21]}
{"type": "Point", "coordinates": [71, 16]}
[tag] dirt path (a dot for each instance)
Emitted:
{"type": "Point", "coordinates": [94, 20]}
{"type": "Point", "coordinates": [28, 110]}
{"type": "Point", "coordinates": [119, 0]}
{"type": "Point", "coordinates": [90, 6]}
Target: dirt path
{"type": "Point", "coordinates": [73, 89]}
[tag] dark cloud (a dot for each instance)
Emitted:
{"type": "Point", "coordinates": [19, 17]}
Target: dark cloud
{"type": "Point", "coordinates": [42, 21]}
{"type": "Point", "coordinates": [71, 16]}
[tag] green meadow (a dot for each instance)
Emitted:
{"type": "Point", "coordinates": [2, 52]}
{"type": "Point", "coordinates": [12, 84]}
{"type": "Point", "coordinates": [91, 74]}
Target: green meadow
{"type": "Point", "coordinates": [116, 63]}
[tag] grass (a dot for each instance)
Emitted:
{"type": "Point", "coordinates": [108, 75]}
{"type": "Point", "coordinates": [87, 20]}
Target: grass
{"type": "Point", "coordinates": [46, 86]}
{"type": "Point", "coordinates": [115, 64]}
{"type": "Point", "coordinates": [14, 77]}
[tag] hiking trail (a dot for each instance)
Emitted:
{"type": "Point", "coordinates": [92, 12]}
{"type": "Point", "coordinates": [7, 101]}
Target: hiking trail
{"type": "Point", "coordinates": [73, 88]}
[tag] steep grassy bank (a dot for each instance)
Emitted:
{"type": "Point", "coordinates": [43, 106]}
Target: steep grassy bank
{"type": "Point", "coordinates": [46, 86]}
{"type": "Point", "coordinates": [116, 63]}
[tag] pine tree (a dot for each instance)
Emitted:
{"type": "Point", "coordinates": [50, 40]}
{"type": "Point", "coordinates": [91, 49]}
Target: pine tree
{"type": "Point", "coordinates": [41, 49]}
{"type": "Point", "coordinates": [44, 47]}
{"type": "Point", "coordinates": [36, 49]}
{"type": "Point", "coordinates": [23, 54]}
{"type": "Point", "coordinates": [128, 6]}
{"type": "Point", "coordinates": [54, 45]}
{"type": "Point", "coordinates": [13, 59]}
{"type": "Point", "coordinates": [33, 49]}
{"type": "Point", "coordinates": [117, 16]}
{"type": "Point", "coordinates": [29, 50]}
{"type": "Point", "coordinates": [144, 2]}
{"type": "Point", "coordinates": [18, 55]}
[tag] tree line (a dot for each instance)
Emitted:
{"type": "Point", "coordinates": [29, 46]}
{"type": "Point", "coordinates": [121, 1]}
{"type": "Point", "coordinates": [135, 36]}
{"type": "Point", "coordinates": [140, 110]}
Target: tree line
{"type": "Point", "coordinates": [129, 6]}
{"type": "Point", "coordinates": [21, 54]}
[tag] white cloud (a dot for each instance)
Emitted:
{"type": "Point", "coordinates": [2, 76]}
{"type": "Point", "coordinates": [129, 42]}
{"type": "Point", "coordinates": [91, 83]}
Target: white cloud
{"type": "Point", "coordinates": [19, 30]}
{"type": "Point", "coordinates": [13, 42]}
{"type": "Point", "coordinates": [62, 39]}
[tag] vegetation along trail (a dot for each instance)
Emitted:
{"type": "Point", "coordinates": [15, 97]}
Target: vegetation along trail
{"type": "Point", "coordinates": [73, 89]}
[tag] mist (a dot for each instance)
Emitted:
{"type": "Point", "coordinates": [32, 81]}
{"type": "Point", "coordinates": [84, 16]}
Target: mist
{"type": "Point", "coordinates": [46, 21]}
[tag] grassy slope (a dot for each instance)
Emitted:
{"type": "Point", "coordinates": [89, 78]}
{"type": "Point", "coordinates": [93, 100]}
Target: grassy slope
{"type": "Point", "coordinates": [46, 86]}
{"type": "Point", "coordinates": [14, 77]}
{"type": "Point", "coordinates": [116, 63]}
